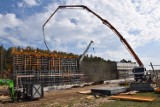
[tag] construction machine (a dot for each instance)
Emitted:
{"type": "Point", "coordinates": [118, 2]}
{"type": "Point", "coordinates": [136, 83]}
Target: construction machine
{"type": "Point", "coordinates": [84, 53]}
{"type": "Point", "coordinates": [10, 84]}
{"type": "Point", "coordinates": [139, 72]}
{"type": "Point", "coordinates": [155, 75]}
{"type": "Point", "coordinates": [28, 92]}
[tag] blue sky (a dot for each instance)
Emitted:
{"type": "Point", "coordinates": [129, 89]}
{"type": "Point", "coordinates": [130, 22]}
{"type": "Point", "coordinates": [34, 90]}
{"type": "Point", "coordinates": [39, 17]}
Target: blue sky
{"type": "Point", "coordinates": [71, 30]}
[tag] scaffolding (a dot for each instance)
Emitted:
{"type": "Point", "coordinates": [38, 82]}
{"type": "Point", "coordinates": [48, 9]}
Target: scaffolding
{"type": "Point", "coordinates": [48, 69]}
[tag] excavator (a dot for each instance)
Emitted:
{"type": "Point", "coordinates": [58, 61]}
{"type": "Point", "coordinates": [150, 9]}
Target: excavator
{"type": "Point", "coordinates": [29, 92]}
{"type": "Point", "coordinates": [139, 72]}
{"type": "Point", "coordinates": [10, 84]}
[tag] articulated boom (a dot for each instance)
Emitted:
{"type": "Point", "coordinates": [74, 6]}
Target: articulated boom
{"type": "Point", "coordinates": [139, 71]}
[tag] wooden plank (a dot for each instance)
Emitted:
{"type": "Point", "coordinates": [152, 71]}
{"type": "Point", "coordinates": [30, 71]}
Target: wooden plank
{"type": "Point", "coordinates": [129, 93]}
{"type": "Point", "coordinates": [90, 97]}
{"type": "Point", "coordinates": [133, 98]}
{"type": "Point", "coordinates": [157, 90]}
{"type": "Point", "coordinates": [2, 97]}
{"type": "Point", "coordinates": [85, 92]}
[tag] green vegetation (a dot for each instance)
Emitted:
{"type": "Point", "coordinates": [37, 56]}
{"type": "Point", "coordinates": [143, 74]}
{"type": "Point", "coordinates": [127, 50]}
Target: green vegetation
{"type": "Point", "coordinates": [121, 103]}
{"type": "Point", "coordinates": [5, 58]}
{"type": "Point", "coordinates": [126, 104]}
{"type": "Point", "coordinates": [95, 58]}
{"type": "Point", "coordinates": [6, 55]}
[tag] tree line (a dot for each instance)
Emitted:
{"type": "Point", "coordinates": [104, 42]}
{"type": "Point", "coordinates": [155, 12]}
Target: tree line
{"type": "Point", "coordinates": [6, 55]}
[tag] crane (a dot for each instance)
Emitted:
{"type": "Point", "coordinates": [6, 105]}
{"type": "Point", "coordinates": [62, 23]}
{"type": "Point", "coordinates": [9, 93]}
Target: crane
{"type": "Point", "coordinates": [84, 53]}
{"type": "Point", "coordinates": [139, 72]}
{"type": "Point", "coordinates": [155, 74]}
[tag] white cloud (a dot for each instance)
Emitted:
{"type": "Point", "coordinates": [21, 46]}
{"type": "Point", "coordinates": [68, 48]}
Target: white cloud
{"type": "Point", "coordinates": [28, 3]}
{"type": "Point", "coordinates": [31, 2]}
{"type": "Point", "coordinates": [138, 21]}
{"type": "Point", "coordinates": [9, 23]}
{"type": "Point", "coordinates": [9, 20]}
{"type": "Point", "coordinates": [20, 4]}
{"type": "Point", "coordinates": [9, 30]}
{"type": "Point", "coordinates": [16, 42]}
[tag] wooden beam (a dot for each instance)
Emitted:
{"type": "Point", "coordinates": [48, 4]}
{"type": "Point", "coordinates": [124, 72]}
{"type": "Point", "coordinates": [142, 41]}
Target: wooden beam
{"type": "Point", "coordinates": [133, 98]}
{"type": "Point", "coordinates": [84, 92]}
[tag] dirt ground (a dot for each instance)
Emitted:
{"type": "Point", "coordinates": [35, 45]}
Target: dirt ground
{"type": "Point", "coordinates": [61, 98]}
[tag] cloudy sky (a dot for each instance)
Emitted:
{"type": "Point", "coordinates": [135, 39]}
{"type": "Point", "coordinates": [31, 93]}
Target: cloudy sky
{"type": "Point", "coordinates": [71, 30]}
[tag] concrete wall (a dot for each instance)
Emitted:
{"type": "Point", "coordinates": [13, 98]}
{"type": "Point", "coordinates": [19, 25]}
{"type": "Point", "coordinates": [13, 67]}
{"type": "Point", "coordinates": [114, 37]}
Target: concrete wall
{"type": "Point", "coordinates": [125, 69]}
{"type": "Point", "coordinates": [99, 70]}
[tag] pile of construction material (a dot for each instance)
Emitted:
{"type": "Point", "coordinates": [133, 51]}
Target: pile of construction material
{"type": "Point", "coordinates": [112, 91]}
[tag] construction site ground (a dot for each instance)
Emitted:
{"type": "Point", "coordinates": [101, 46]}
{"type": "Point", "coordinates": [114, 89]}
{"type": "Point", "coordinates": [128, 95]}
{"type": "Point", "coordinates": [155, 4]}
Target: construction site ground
{"type": "Point", "coordinates": [71, 98]}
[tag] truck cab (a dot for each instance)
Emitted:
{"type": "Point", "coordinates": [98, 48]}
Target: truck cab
{"type": "Point", "coordinates": [139, 73]}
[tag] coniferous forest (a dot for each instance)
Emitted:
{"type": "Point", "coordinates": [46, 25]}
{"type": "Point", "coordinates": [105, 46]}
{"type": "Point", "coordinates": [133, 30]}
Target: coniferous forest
{"type": "Point", "coordinates": [6, 56]}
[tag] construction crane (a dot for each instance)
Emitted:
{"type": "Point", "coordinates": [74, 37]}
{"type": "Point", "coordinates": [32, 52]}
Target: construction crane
{"type": "Point", "coordinates": [139, 72]}
{"type": "Point", "coordinates": [155, 74]}
{"type": "Point", "coordinates": [84, 53]}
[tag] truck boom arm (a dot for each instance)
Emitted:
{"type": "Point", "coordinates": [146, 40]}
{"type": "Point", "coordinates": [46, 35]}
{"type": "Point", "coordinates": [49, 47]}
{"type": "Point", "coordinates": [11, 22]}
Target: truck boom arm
{"type": "Point", "coordinates": [105, 22]}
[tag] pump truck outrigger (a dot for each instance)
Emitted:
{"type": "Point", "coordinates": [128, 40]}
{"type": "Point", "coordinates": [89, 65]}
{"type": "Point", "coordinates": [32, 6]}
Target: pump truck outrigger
{"type": "Point", "coordinates": [140, 71]}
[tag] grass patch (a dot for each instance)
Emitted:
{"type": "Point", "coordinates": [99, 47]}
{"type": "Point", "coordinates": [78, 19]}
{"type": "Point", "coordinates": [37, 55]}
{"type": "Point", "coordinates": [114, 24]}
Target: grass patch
{"type": "Point", "coordinates": [125, 104]}
{"type": "Point", "coordinates": [122, 103]}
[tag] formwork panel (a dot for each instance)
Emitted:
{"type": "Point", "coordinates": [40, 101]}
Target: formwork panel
{"type": "Point", "coordinates": [108, 90]}
{"type": "Point", "coordinates": [141, 86]}
{"type": "Point", "coordinates": [45, 68]}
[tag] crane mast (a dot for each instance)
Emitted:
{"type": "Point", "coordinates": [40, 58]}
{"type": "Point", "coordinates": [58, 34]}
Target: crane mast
{"type": "Point", "coordinates": [84, 53]}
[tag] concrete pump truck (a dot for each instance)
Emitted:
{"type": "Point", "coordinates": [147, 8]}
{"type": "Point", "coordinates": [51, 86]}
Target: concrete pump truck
{"type": "Point", "coordinates": [139, 72]}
